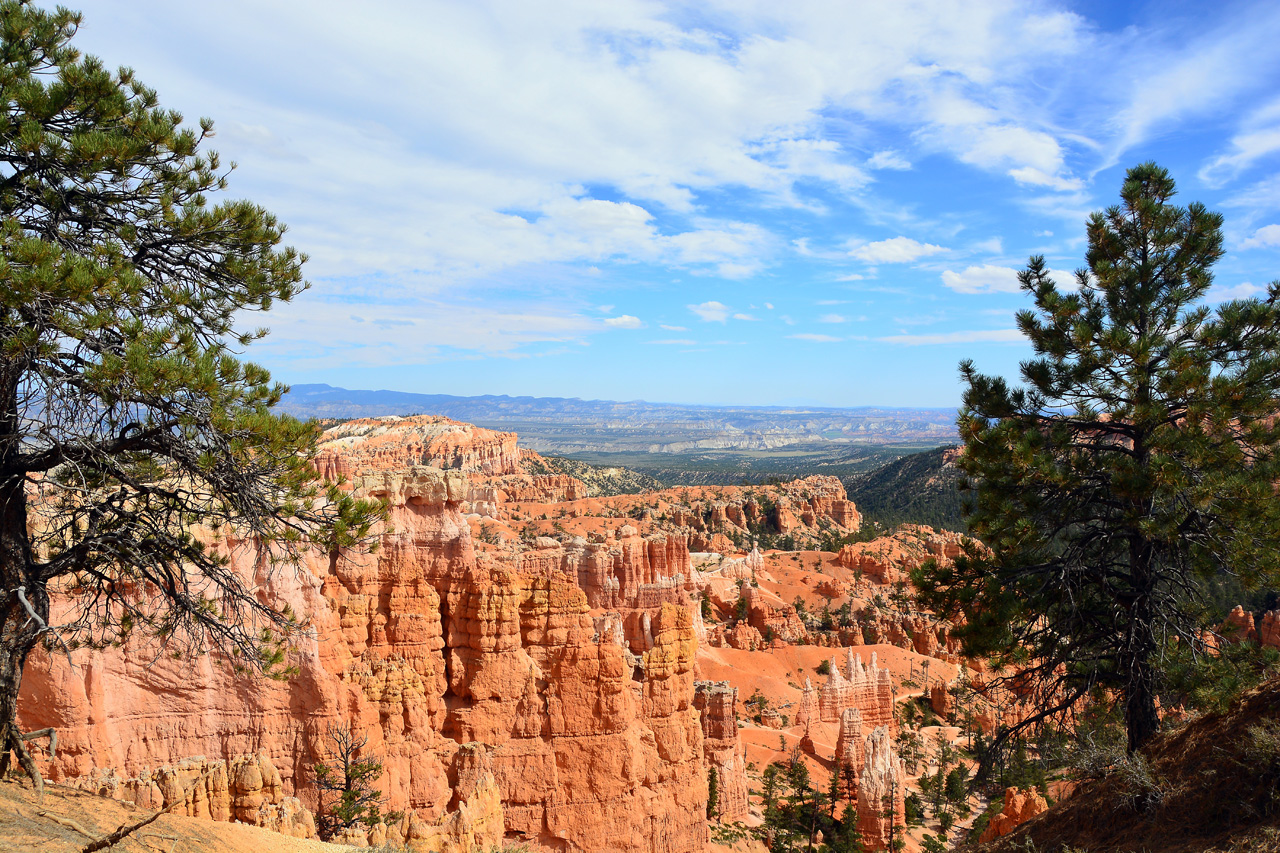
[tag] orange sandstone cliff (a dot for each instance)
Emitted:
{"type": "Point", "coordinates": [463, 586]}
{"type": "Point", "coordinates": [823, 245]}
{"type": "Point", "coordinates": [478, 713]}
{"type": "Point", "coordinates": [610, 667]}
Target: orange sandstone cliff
{"type": "Point", "coordinates": [521, 652]}
{"type": "Point", "coordinates": [468, 671]}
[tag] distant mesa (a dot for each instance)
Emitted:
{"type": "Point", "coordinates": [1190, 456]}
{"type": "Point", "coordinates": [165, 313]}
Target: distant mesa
{"type": "Point", "coordinates": [569, 424]}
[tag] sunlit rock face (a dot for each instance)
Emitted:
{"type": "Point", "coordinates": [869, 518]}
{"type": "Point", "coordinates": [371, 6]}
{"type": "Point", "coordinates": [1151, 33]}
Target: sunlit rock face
{"type": "Point", "coordinates": [565, 678]}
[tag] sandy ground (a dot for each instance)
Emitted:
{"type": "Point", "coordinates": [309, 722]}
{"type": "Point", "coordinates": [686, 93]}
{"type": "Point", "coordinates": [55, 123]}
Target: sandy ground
{"type": "Point", "coordinates": [26, 827]}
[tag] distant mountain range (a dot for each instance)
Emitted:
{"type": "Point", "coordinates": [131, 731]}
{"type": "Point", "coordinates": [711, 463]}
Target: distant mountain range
{"type": "Point", "coordinates": [568, 425]}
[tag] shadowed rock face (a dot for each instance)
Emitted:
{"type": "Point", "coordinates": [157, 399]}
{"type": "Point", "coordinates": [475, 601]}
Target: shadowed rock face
{"type": "Point", "coordinates": [459, 667]}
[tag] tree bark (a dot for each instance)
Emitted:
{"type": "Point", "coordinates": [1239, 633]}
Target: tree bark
{"type": "Point", "coordinates": [20, 625]}
{"type": "Point", "coordinates": [1142, 721]}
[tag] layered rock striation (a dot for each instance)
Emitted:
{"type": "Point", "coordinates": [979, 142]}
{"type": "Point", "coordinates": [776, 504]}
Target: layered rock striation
{"type": "Point", "coordinates": [550, 692]}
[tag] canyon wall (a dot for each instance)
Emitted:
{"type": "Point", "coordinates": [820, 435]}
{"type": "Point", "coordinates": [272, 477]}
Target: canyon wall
{"type": "Point", "coordinates": [459, 665]}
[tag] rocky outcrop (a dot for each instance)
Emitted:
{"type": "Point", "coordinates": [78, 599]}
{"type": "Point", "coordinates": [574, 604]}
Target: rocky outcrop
{"type": "Point", "coordinates": [851, 752]}
{"type": "Point", "coordinates": [247, 789]}
{"type": "Point", "coordinates": [717, 704]}
{"type": "Point", "coordinates": [744, 636]}
{"type": "Point", "coordinates": [457, 665]}
{"type": "Point", "coordinates": [804, 509]}
{"type": "Point", "coordinates": [807, 711]}
{"type": "Point", "coordinates": [772, 616]}
{"type": "Point", "coordinates": [888, 559]}
{"type": "Point", "coordinates": [941, 700]}
{"type": "Point", "coordinates": [867, 688]}
{"type": "Point", "coordinates": [1269, 629]}
{"type": "Point", "coordinates": [360, 446]}
{"type": "Point", "coordinates": [1019, 807]}
{"type": "Point", "coordinates": [881, 804]}
{"type": "Point", "coordinates": [1239, 626]}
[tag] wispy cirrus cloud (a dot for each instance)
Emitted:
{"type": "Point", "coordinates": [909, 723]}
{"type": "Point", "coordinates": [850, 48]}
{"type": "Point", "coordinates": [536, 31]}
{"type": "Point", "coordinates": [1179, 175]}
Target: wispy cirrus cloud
{"type": "Point", "coordinates": [964, 337]}
{"type": "Point", "coordinates": [815, 338]}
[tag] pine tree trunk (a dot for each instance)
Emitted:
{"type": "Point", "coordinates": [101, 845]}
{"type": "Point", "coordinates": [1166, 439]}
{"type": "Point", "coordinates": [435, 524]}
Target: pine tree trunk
{"type": "Point", "coordinates": [19, 632]}
{"type": "Point", "coordinates": [1140, 716]}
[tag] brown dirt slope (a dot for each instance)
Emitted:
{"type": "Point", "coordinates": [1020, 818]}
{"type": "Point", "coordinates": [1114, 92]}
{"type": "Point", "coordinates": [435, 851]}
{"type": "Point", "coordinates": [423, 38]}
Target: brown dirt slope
{"type": "Point", "coordinates": [25, 826]}
{"type": "Point", "coordinates": [1213, 785]}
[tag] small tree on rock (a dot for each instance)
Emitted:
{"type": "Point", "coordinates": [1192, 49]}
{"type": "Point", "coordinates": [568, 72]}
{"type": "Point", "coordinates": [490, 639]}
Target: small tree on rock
{"type": "Point", "coordinates": [346, 785]}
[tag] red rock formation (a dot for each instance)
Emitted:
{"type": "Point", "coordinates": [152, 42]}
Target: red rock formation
{"type": "Point", "coordinates": [395, 444]}
{"type": "Point", "coordinates": [881, 804]}
{"type": "Point", "coordinates": [717, 703]}
{"type": "Point", "coordinates": [1239, 626]}
{"type": "Point", "coordinates": [941, 700]}
{"type": "Point", "coordinates": [772, 616]}
{"type": "Point", "coordinates": [1019, 807]}
{"type": "Point", "coordinates": [867, 688]}
{"type": "Point", "coordinates": [807, 712]}
{"type": "Point", "coordinates": [743, 636]}
{"type": "Point", "coordinates": [887, 559]}
{"type": "Point", "coordinates": [455, 665]}
{"type": "Point", "coordinates": [851, 752]}
{"type": "Point", "coordinates": [248, 789]}
{"type": "Point", "coordinates": [1269, 629]}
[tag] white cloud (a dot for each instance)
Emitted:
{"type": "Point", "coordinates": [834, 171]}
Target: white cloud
{"type": "Point", "coordinates": [746, 317]}
{"type": "Point", "coordinates": [1246, 148]}
{"type": "Point", "coordinates": [625, 321]}
{"type": "Point", "coordinates": [895, 250]}
{"type": "Point", "coordinates": [673, 328]}
{"type": "Point", "coordinates": [472, 151]}
{"type": "Point", "coordinates": [831, 318]}
{"type": "Point", "coordinates": [1037, 178]}
{"type": "Point", "coordinates": [888, 159]}
{"type": "Point", "coordinates": [1199, 76]}
{"type": "Point", "coordinates": [1261, 196]}
{"type": "Point", "coordinates": [317, 334]}
{"type": "Point", "coordinates": [1244, 290]}
{"type": "Point", "coordinates": [684, 342]}
{"type": "Point", "coordinates": [966, 337]}
{"type": "Point", "coordinates": [994, 246]}
{"type": "Point", "coordinates": [711, 312]}
{"type": "Point", "coordinates": [1266, 237]}
{"type": "Point", "coordinates": [814, 338]}
{"type": "Point", "coordinates": [768, 306]}
{"type": "Point", "coordinates": [991, 278]}
{"type": "Point", "coordinates": [987, 278]}
{"type": "Point", "coordinates": [853, 276]}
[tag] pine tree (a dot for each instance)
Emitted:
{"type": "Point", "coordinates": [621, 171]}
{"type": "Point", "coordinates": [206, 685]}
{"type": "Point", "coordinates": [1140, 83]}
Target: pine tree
{"type": "Point", "coordinates": [846, 837]}
{"type": "Point", "coordinates": [126, 420]}
{"type": "Point", "coordinates": [350, 774]}
{"type": "Point", "coordinates": [713, 792]}
{"type": "Point", "coordinates": [1136, 464]}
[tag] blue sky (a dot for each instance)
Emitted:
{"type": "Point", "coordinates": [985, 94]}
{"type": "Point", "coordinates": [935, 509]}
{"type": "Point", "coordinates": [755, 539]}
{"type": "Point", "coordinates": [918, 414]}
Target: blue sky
{"type": "Point", "coordinates": [723, 203]}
